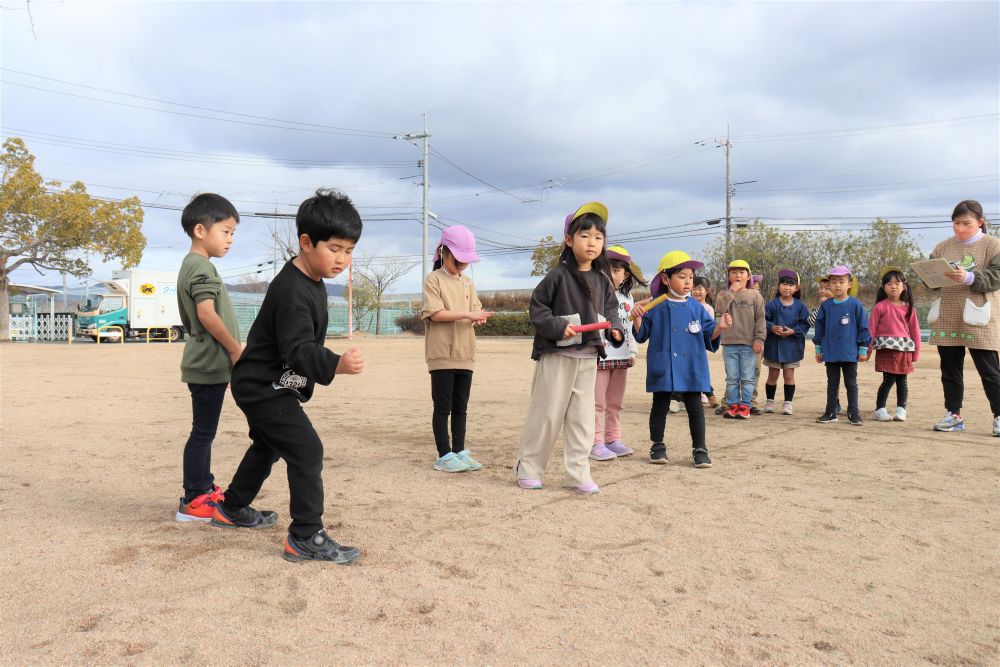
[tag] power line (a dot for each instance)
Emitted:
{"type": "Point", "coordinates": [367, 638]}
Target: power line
{"type": "Point", "coordinates": [332, 129]}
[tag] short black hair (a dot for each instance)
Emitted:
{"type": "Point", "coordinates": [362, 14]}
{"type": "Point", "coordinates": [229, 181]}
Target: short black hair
{"type": "Point", "coordinates": [329, 214]}
{"type": "Point", "coordinates": [207, 209]}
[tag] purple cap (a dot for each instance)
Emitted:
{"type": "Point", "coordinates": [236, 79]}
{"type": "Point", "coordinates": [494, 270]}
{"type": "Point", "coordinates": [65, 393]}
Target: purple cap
{"type": "Point", "coordinates": [756, 278]}
{"type": "Point", "coordinates": [656, 286]}
{"type": "Point", "coordinates": [839, 270]}
{"type": "Point", "coordinates": [788, 273]}
{"type": "Point", "coordinates": [460, 242]}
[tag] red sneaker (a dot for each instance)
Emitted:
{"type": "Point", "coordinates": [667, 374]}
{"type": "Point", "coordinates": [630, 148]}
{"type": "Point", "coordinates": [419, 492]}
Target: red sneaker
{"type": "Point", "coordinates": [201, 507]}
{"type": "Point", "coordinates": [743, 412]}
{"type": "Point", "coordinates": [732, 413]}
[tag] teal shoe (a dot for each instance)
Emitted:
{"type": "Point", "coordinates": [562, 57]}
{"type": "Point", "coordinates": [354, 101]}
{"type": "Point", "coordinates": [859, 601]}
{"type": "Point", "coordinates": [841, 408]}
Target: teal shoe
{"type": "Point", "coordinates": [451, 462]}
{"type": "Point", "coordinates": [466, 456]}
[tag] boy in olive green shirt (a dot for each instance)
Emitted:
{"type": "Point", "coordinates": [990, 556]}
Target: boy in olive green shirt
{"type": "Point", "coordinates": [212, 347]}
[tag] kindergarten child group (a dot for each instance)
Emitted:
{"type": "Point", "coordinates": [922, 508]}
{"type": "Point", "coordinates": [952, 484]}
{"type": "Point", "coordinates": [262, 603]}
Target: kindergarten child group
{"type": "Point", "coordinates": [587, 332]}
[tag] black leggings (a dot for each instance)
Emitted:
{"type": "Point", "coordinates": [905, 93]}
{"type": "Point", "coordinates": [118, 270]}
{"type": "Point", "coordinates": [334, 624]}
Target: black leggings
{"type": "Point", "coordinates": [695, 413]}
{"type": "Point", "coordinates": [450, 391]}
{"type": "Point", "coordinates": [902, 391]}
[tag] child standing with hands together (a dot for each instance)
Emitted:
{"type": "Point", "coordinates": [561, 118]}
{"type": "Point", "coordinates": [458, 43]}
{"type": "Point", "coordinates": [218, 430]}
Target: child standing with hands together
{"type": "Point", "coordinates": [577, 291]}
{"type": "Point", "coordinates": [744, 340]}
{"type": "Point", "coordinates": [787, 321]}
{"type": "Point", "coordinates": [679, 332]}
{"type": "Point", "coordinates": [841, 339]}
{"type": "Point", "coordinates": [451, 310]}
{"type": "Point", "coordinates": [895, 334]}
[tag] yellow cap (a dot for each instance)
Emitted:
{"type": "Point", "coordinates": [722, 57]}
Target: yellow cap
{"type": "Point", "coordinates": [739, 264]}
{"type": "Point", "coordinates": [678, 259]}
{"type": "Point", "coordinates": [887, 269]}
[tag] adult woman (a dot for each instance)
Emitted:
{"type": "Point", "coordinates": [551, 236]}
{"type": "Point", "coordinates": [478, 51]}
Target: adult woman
{"type": "Point", "coordinates": [969, 313]}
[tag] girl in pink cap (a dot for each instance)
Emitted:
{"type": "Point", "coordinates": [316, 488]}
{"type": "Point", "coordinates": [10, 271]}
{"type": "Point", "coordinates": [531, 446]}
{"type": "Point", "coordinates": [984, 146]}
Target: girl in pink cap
{"type": "Point", "coordinates": [451, 310]}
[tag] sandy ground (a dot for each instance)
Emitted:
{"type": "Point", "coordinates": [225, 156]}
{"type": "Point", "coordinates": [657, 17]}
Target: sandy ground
{"type": "Point", "coordinates": [804, 544]}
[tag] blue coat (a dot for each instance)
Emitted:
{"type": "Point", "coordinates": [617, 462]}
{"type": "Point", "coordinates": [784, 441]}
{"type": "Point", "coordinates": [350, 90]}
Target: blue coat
{"type": "Point", "coordinates": [678, 335]}
{"type": "Point", "coordinates": [784, 349]}
{"type": "Point", "coordinates": [841, 330]}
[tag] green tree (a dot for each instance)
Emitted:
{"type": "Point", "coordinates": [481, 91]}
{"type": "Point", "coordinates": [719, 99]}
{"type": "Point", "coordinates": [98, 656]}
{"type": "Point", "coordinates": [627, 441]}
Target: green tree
{"type": "Point", "coordinates": [883, 244]}
{"type": "Point", "coordinates": [545, 257]}
{"type": "Point", "coordinates": [49, 228]}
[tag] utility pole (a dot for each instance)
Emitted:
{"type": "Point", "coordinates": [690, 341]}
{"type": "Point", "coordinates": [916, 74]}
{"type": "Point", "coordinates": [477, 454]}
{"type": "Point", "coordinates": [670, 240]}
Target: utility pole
{"type": "Point", "coordinates": [727, 146]}
{"type": "Point", "coordinates": [426, 184]}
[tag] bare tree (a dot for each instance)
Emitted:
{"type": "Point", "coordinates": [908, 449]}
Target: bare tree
{"type": "Point", "coordinates": [282, 240]}
{"type": "Point", "coordinates": [251, 285]}
{"type": "Point", "coordinates": [379, 275]}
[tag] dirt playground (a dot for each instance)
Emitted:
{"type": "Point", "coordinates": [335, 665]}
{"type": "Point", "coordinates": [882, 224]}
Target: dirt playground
{"type": "Point", "coordinates": [805, 544]}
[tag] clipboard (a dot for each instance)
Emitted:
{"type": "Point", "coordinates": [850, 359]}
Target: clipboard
{"type": "Point", "coordinates": [932, 271]}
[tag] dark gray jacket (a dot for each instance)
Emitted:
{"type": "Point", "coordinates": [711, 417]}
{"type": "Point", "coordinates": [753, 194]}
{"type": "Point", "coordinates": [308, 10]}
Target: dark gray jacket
{"type": "Point", "coordinates": [559, 295]}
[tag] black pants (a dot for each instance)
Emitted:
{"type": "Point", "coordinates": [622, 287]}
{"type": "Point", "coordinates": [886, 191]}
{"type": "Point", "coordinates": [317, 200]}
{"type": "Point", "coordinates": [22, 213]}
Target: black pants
{"type": "Point", "coordinates": [952, 376]}
{"type": "Point", "coordinates": [890, 380]}
{"type": "Point", "coordinates": [287, 435]}
{"type": "Point", "coordinates": [850, 371]}
{"type": "Point", "coordinates": [695, 414]}
{"type": "Point", "coordinates": [206, 406]}
{"type": "Point", "coordinates": [450, 391]}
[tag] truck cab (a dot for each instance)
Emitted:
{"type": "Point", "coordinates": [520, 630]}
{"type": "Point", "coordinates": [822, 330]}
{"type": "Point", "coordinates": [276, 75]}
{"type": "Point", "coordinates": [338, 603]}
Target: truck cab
{"type": "Point", "coordinates": [143, 303]}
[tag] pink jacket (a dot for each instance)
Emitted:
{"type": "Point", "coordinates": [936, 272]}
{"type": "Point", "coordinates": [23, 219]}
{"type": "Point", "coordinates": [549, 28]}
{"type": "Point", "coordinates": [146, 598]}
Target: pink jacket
{"type": "Point", "coordinates": [889, 320]}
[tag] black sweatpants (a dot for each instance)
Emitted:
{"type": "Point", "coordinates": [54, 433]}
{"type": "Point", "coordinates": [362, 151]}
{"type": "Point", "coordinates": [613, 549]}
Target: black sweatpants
{"type": "Point", "coordinates": [450, 392]}
{"type": "Point", "coordinates": [952, 376]}
{"type": "Point", "coordinates": [850, 371]}
{"type": "Point", "coordinates": [890, 380]}
{"type": "Point", "coordinates": [287, 435]}
{"type": "Point", "coordinates": [695, 415]}
{"type": "Point", "coordinates": [206, 406]}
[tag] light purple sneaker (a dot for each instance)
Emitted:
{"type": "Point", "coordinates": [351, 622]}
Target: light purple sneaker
{"type": "Point", "coordinates": [588, 489]}
{"type": "Point", "coordinates": [619, 448]}
{"type": "Point", "coordinates": [601, 453]}
{"type": "Point", "coordinates": [530, 484]}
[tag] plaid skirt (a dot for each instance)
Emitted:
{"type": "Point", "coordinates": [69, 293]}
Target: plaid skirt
{"type": "Point", "coordinates": [894, 361]}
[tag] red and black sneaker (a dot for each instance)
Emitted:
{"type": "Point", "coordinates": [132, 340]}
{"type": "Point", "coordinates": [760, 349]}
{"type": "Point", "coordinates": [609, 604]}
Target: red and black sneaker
{"type": "Point", "coordinates": [201, 507]}
{"type": "Point", "coordinates": [245, 517]}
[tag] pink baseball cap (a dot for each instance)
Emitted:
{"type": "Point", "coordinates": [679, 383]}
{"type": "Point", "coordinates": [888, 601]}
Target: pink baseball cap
{"type": "Point", "coordinates": [839, 270]}
{"type": "Point", "coordinates": [757, 278]}
{"type": "Point", "coordinates": [460, 241]}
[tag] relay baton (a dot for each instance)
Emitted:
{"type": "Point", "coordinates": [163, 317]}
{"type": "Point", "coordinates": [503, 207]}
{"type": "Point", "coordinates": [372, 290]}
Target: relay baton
{"type": "Point", "coordinates": [649, 306]}
{"type": "Point", "coordinates": [596, 326]}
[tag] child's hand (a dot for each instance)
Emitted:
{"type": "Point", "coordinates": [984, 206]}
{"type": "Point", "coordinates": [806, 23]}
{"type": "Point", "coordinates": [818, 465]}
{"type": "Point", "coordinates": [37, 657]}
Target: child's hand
{"type": "Point", "coordinates": [819, 358]}
{"type": "Point", "coordinates": [235, 356]}
{"type": "Point", "coordinates": [758, 346]}
{"type": "Point", "coordinates": [351, 362]}
{"type": "Point", "coordinates": [777, 330]}
{"type": "Point", "coordinates": [617, 335]}
{"type": "Point", "coordinates": [862, 358]}
{"type": "Point", "coordinates": [638, 310]}
{"type": "Point", "coordinates": [479, 317]}
{"type": "Point", "coordinates": [568, 333]}
{"type": "Point", "coordinates": [725, 322]}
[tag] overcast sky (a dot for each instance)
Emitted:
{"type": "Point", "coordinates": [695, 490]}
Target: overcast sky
{"type": "Point", "coordinates": [839, 112]}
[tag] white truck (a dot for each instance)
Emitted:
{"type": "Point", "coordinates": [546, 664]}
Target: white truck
{"type": "Point", "coordinates": [143, 303]}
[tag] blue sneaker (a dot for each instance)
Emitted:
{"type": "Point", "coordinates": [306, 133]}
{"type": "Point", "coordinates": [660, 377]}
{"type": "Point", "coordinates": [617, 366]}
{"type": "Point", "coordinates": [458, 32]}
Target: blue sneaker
{"type": "Point", "coordinates": [950, 422]}
{"type": "Point", "coordinates": [451, 462]}
{"type": "Point", "coordinates": [466, 456]}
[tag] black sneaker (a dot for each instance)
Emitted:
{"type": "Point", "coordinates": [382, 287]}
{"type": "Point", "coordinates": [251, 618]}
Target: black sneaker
{"type": "Point", "coordinates": [854, 418]}
{"type": "Point", "coordinates": [828, 417]}
{"type": "Point", "coordinates": [754, 410]}
{"type": "Point", "coordinates": [701, 459]}
{"type": "Point", "coordinates": [658, 453]}
{"type": "Point", "coordinates": [318, 547]}
{"type": "Point", "coordinates": [246, 517]}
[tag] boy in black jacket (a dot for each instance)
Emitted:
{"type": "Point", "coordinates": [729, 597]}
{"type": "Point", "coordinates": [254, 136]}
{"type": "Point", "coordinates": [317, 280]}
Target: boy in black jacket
{"type": "Point", "coordinates": [284, 358]}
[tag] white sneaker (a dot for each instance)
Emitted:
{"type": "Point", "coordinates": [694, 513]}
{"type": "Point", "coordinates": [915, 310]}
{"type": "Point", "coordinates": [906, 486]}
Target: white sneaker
{"type": "Point", "coordinates": [882, 415]}
{"type": "Point", "coordinates": [769, 406]}
{"type": "Point", "coordinates": [950, 422]}
{"type": "Point", "coordinates": [996, 427]}
{"type": "Point", "coordinates": [786, 409]}
{"type": "Point", "coordinates": [900, 414]}
{"type": "Point", "coordinates": [675, 406]}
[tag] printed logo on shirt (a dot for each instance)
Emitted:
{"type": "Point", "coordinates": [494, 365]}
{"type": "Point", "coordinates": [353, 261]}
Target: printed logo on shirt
{"type": "Point", "coordinates": [845, 320]}
{"type": "Point", "coordinates": [694, 326]}
{"type": "Point", "coordinates": [292, 381]}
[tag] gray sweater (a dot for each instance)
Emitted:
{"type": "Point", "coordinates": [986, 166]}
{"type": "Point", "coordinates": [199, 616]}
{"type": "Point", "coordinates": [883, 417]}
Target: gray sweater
{"type": "Point", "coordinates": [559, 295]}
